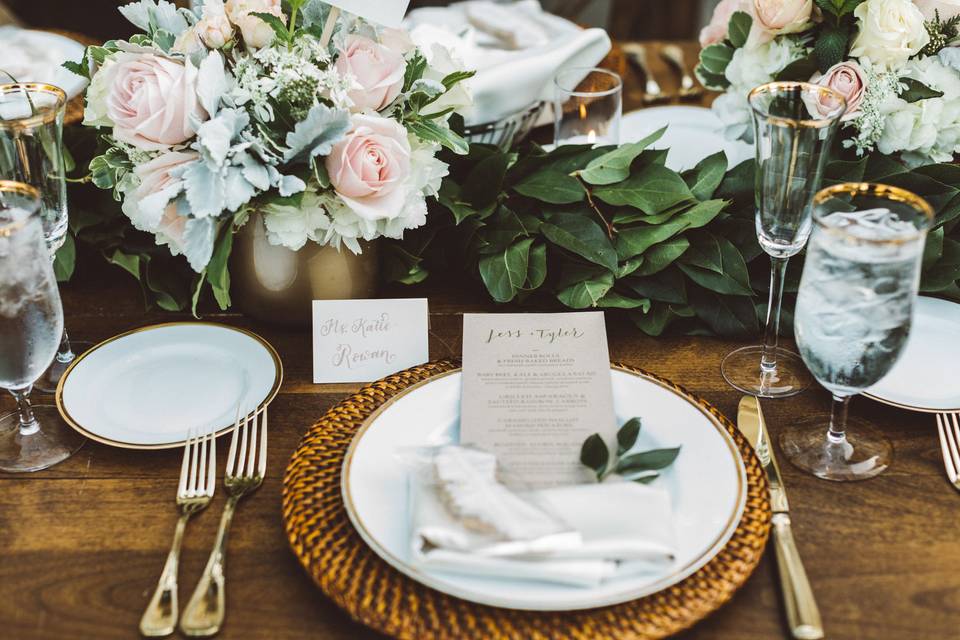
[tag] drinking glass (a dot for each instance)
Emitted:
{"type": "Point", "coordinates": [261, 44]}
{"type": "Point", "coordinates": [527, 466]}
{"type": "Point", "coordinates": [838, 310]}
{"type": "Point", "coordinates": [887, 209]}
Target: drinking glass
{"type": "Point", "coordinates": [588, 105]}
{"type": "Point", "coordinates": [31, 151]}
{"type": "Point", "coordinates": [794, 124]}
{"type": "Point", "coordinates": [853, 316]}
{"type": "Point", "coordinates": [31, 323]}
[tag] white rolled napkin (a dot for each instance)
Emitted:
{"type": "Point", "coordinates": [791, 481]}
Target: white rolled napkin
{"type": "Point", "coordinates": [579, 535]}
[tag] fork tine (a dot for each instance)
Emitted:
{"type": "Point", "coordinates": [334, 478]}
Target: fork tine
{"type": "Point", "coordinates": [212, 468]}
{"type": "Point", "coordinates": [953, 439]}
{"type": "Point", "coordinates": [945, 448]}
{"type": "Point", "coordinates": [202, 471]}
{"type": "Point", "coordinates": [252, 457]}
{"type": "Point", "coordinates": [232, 454]}
{"type": "Point", "coordinates": [194, 451]}
{"type": "Point", "coordinates": [262, 470]}
{"type": "Point", "coordinates": [242, 454]}
{"type": "Point", "coordinates": [185, 466]}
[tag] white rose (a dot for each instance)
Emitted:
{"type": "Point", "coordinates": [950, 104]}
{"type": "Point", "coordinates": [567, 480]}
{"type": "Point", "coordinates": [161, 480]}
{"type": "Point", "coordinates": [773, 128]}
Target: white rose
{"type": "Point", "coordinates": [215, 29]}
{"type": "Point", "coordinates": [256, 33]}
{"type": "Point", "coordinates": [778, 17]}
{"type": "Point", "coordinates": [292, 227]}
{"type": "Point", "coordinates": [889, 31]}
{"type": "Point", "coordinates": [188, 42]}
{"type": "Point", "coordinates": [440, 63]}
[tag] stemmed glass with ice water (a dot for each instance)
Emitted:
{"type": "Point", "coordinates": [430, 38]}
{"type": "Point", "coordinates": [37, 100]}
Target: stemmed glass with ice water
{"type": "Point", "coordinates": [31, 151]}
{"type": "Point", "coordinates": [31, 325]}
{"type": "Point", "coordinates": [853, 317]}
{"type": "Point", "coordinates": [794, 126]}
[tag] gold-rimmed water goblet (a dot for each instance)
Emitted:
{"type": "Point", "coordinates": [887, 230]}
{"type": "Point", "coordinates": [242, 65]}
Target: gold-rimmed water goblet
{"type": "Point", "coordinates": [853, 317]}
{"type": "Point", "coordinates": [794, 125]}
{"type": "Point", "coordinates": [31, 151]}
{"type": "Point", "coordinates": [31, 322]}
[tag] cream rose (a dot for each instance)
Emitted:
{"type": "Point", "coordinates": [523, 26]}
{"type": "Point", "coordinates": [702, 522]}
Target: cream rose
{"type": "Point", "coordinates": [369, 167]}
{"type": "Point", "coordinates": [716, 31]}
{"type": "Point", "coordinates": [945, 8]}
{"type": "Point", "coordinates": [188, 42]}
{"type": "Point", "coordinates": [152, 101]}
{"type": "Point", "coordinates": [256, 33]}
{"type": "Point", "coordinates": [772, 18]}
{"type": "Point", "coordinates": [150, 205]}
{"type": "Point", "coordinates": [847, 79]}
{"type": "Point", "coordinates": [215, 29]}
{"type": "Point", "coordinates": [889, 32]}
{"type": "Point", "coordinates": [377, 70]}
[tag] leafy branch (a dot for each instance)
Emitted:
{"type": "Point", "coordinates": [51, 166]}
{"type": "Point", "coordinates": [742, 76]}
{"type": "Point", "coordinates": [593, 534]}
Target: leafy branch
{"type": "Point", "coordinates": [642, 467]}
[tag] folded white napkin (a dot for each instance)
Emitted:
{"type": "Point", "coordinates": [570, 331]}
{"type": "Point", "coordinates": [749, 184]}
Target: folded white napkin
{"type": "Point", "coordinates": [516, 48]}
{"type": "Point", "coordinates": [606, 530]}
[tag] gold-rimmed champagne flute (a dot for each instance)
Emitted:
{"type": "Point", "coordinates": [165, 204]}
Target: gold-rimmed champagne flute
{"type": "Point", "coordinates": [853, 317]}
{"type": "Point", "coordinates": [31, 151]}
{"type": "Point", "coordinates": [794, 126]}
{"type": "Point", "coordinates": [31, 323]}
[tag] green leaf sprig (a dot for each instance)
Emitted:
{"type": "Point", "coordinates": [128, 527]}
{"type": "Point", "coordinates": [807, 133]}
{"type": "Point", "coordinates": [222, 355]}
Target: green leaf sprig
{"type": "Point", "coordinates": [643, 467]}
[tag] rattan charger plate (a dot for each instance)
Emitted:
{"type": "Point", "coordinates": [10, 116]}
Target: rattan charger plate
{"type": "Point", "coordinates": [379, 596]}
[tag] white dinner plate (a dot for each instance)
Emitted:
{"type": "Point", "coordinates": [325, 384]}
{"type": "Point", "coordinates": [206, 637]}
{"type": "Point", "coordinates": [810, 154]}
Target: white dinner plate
{"type": "Point", "coordinates": [148, 388]}
{"type": "Point", "coordinates": [922, 378]}
{"type": "Point", "coordinates": [693, 133]}
{"type": "Point", "coordinates": [37, 56]}
{"type": "Point", "coordinates": [707, 485]}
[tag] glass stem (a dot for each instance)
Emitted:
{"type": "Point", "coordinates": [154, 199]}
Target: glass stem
{"type": "Point", "coordinates": [771, 334]}
{"type": "Point", "coordinates": [839, 407]}
{"type": "Point", "coordinates": [28, 421]}
{"type": "Point", "coordinates": [65, 354]}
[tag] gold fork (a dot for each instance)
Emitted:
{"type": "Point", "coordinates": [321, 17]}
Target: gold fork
{"type": "Point", "coordinates": [205, 611]}
{"type": "Point", "coordinates": [948, 427]}
{"type": "Point", "coordinates": [198, 474]}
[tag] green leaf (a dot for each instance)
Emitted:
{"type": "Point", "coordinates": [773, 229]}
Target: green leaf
{"type": "Point", "coordinates": [455, 78]}
{"type": "Point", "coordinates": [715, 263]}
{"type": "Point", "coordinates": [505, 273]}
{"type": "Point", "coordinates": [218, 272]}
{"type": "Point", "coordinates": [716, 57]}
{"type": "Point", "coordinates": [800, 70]}
{"type": "Point", "coordinates": [627, 435]}
{"type": "Point", "coordinates": [537, 267]}
{"type": "Point", "coordinates": [551, 186]}
{"type": "Point", "coordinates": [715, 81]}
{"type": "Point", "coordinates": [615, 166]}
{"type": "Point", "coordinates": [594, 455]}
{"type": "Point", "coordinates": [586, 293]}
{"type": "Point", "coordinates": [838, 8]}
{"type": "Point", "coordinates": [636, 240]}
{"type": "Point", "coordinates": [615, 300]}
{"type": "Point", "coordinates": [654, 321]}
{"type": "Point", "coordinates": [430, 131]}
{"type": "Point", "coordinates": [129, 262]}
{"type": "Point", "coordinates": [80, 68]}
{"type": "Point", "coordinates": [914, 91]}
{"type": "Point", "coordinates": [66, 259]}
{"type": "Point", "coordinates": [729, 316]}
{"type": "Point", "coordinates": [707, 175]}
{"type": "Point", "coordinates": [484, 183]}
{"type": "Point", "coordinates": [831, 46]}
{"type": "Point", "coordinates": [652, 190]}
{"type": "Point", "coordinates": [275, 23]}
{"type": "Point", "coordinates": [645, 478]}
{"type": "Point", "coordinates": [660, 256]}
{"type": "Point", "coordinates": [648, 460]}
{"type": "Point", "coordinates": [581, 235]}
{"type": "Point", "coordinates": [667, 286]}
{"type": "Point", "coordinates": [739, 28]}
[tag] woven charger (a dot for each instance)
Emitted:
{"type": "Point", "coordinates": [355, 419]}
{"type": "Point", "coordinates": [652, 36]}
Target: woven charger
{"type": "Point", "coordinates": [379, 596]}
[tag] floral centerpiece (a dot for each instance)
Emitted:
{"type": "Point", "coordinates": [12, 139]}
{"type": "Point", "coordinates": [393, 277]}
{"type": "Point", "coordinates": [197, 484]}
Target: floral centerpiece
{"type": "Point", "coordinates": [894, 61]}
{"type": "Point", "coordinates": [328, 127]}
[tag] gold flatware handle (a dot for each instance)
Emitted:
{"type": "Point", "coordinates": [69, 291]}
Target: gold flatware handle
{"type": "Point", "coordinates": [160, 617]}
{"type": "Point", "coordinates": [803, 616]}
{"type": "Point", "coordinates": [204, 613]}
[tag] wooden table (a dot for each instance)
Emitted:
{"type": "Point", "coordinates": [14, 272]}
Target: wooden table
{"type": "Point", "coordinates": [83, 543]}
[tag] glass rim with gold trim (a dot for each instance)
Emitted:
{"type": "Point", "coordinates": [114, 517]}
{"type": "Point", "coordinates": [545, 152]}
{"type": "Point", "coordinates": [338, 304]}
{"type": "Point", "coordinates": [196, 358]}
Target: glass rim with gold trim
{"type": "Point", "coordinates": [41, 114]}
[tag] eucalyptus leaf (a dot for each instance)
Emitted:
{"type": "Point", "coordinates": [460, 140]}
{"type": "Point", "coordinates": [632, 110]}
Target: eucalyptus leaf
{"type": "Point", "coordinates": [594, 455]}
{"type": "Point", "coordinates": [627, 435]}
{"type": "Point", "coordinates": [648, 460]}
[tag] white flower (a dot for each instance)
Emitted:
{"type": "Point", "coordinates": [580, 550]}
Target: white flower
{"type": "Point", "coordinates": [256, 33]}
{"type": "Point", "coordinates": [440, 63]}
{"type": "Point", "coordinates": [889, 31]}
{"type": "Point", "coordinates": [292, 226]}
{"type": "Point", "coordinates": [188, 42]}
{"type": "Point", "coordinates": [214, 29]}
{"type": "Point", "coordinates": [426, 170]}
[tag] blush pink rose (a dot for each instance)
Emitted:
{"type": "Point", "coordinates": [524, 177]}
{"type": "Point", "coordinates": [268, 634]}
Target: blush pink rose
{"type": "Point", "coordinates": [716, 31]}
{"type": "Point", "coordinates": [152, 102]}
{"type": "Point", "coordinates": [772, 18]}
{"type": "Point", "coordinates": [150, 206]}
{"type": "Point", "coordinates": [847, 79]}
{"type": "Point", "coordinates": [369, 166]}
{"type": "Point", "coordinates": [378, 72]}
{"type": "Point", "coordinates": [256, 33]}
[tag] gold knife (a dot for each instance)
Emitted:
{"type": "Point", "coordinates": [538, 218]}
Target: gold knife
{"type": "Point", "coordinates": [803, 616]}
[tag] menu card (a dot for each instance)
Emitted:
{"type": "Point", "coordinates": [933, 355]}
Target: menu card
{"type": "Point", "coordinates": [535, 386]}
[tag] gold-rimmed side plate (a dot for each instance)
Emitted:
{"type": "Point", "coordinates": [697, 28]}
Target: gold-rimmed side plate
{"type": "Point", "coordinates": [147, 388]}
{"type": "Point", "coordinates": [707, 484]}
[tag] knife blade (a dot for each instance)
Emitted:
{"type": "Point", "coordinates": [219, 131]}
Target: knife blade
{"type": "Point", "coordinates": [803, 615]}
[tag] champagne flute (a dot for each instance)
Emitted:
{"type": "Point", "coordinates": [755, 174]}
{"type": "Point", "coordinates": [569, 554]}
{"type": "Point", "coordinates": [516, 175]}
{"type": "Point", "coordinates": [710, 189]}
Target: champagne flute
{"type": "Point", "coordinates": [31, 323]}
{"type": "Point", "coordinates": [31, 151]}
{"type": "Point", "coordinates": [794, 124]}
{"type": "Point", "coordinates": [853, 317]}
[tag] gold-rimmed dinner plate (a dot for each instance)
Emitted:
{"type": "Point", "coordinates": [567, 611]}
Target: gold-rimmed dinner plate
{"type": "Point", "coordinates": [148, 388]}
{"type": "Point", "coordinates": [707, 485]}
{"type": "Point", "coordinates": [922, 378]}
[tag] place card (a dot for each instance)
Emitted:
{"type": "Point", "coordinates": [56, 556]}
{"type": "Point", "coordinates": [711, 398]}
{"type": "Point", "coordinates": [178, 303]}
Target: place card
{"type": "Point", "coordinates": [388, 13]}
{"type": "Point", "coordinates": [535, 386]}
{"type": "Point", "coordinates": [365, 340]}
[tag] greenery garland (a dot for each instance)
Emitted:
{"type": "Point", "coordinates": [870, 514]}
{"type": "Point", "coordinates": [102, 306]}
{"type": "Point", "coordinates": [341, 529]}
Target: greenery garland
{"type": "Point", "coordinates": [614, 228]}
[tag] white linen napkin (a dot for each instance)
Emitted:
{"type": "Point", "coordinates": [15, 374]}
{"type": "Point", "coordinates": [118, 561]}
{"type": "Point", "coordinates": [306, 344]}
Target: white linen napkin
{"type": "Point", "coordinates": [516, 48]}
{"type": "Point", "coordinates": [612, 529]}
